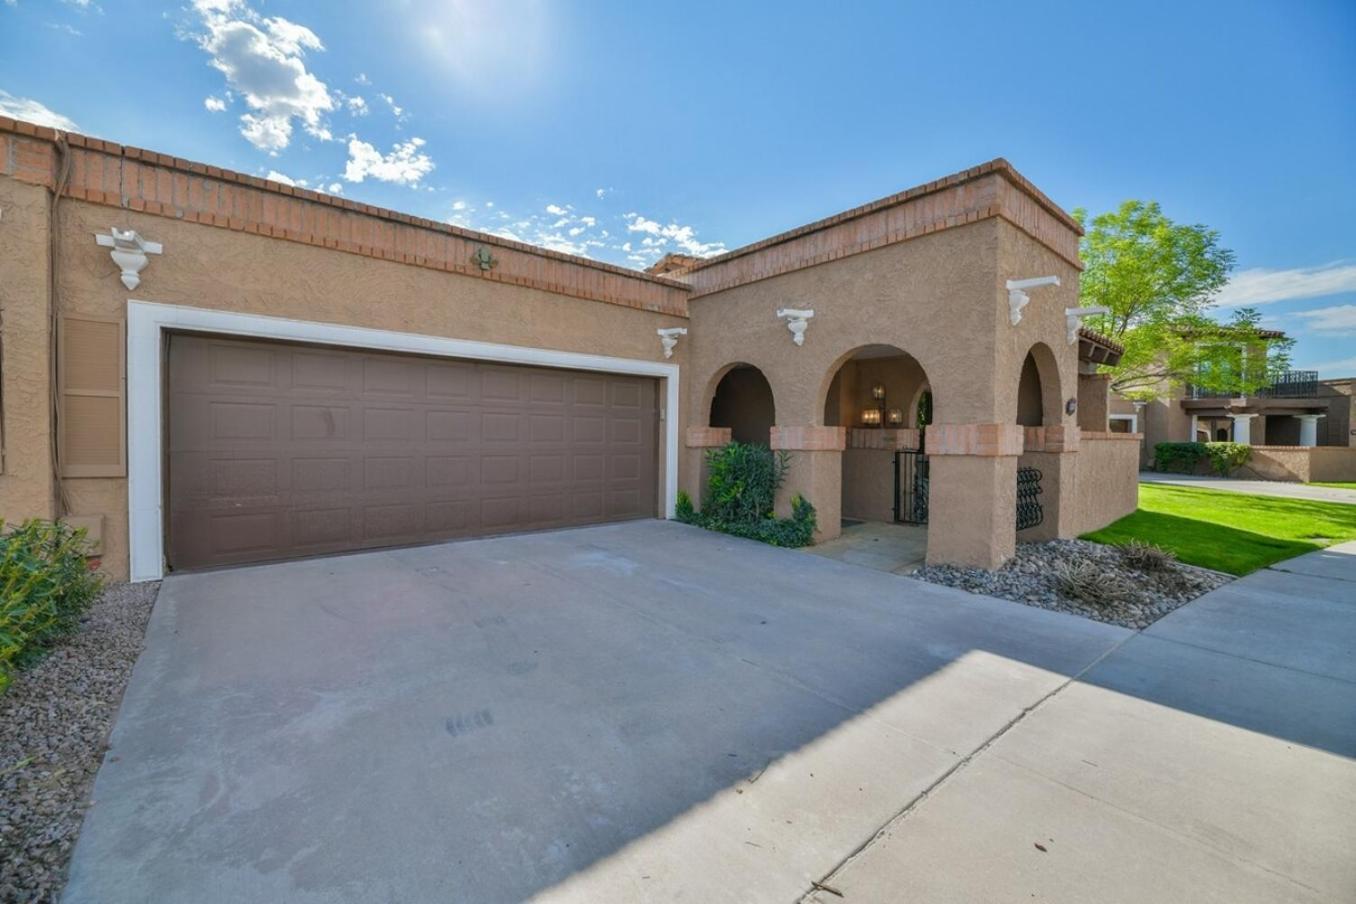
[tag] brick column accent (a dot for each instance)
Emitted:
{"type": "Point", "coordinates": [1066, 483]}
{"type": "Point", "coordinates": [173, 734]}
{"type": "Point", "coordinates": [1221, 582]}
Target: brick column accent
{"type": "Point", "coordinates": [706, 437]}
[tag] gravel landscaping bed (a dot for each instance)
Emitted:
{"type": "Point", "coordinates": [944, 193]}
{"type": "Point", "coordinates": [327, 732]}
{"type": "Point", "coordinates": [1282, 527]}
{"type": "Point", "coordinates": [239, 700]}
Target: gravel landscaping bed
{"type": "Point", "coordinates": [54, 724]}
{"type": "Point", "coordinates": [1119, 592]}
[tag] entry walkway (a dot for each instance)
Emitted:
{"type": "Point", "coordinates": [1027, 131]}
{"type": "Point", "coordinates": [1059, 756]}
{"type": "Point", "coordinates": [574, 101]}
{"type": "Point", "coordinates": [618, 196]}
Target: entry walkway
{"type": "Point", "coordinates": [1256, 487]}
{"type": "Point", "coordinates": [1209, 757]}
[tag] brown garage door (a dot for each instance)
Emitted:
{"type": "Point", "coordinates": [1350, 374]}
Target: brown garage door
{"type": "Point", "coordinates": [279, 450]}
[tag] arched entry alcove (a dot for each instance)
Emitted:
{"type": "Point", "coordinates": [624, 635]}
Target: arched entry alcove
{"type": "Point", "coordinates": [742, 400]}
{"type": "Point", "coordinates": [876, 393]}
{"type": "Point", "coordinates": [1038, 389]}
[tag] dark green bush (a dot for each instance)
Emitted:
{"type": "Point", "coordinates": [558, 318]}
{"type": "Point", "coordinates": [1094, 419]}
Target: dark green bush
{"type": "Point", "coordinates": [45, 586]}
{"type": "Point", "coordinates": [1227, 456]}
{"type": "Point", "coordinates": [1179, 457]}
{"type": "Point", "coordinates": [741, 487]}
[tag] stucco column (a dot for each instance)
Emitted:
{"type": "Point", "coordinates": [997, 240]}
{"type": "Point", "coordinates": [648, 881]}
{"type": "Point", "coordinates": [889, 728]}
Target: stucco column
{"type": "Point", "coordinates": [815, 473]}
{"type": "Point", "coordinates": [1309, 429]}
{"type": "Point", "coordinates": [1055, 455]}
{"type": "Point", "coordinates": [1195, 428]}
{"type": "Point", "coordinates": [1094, 401]}
{"type": "Point", "coordinates": [1243, 428]}
{"type": "Point", "coordinates": [972, 493]}
{"type": "Point", "coordinates": [692, 467]}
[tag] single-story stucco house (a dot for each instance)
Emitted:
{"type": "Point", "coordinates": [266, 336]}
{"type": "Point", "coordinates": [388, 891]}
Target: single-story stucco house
{"type": "Point", "coordinates": [206, 368]}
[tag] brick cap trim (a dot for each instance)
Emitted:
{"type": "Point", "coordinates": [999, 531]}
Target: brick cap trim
{"type": "Point", "coordinates": [1098, 435]}
{"type": "Point", "coordinates": [707, 437]}
{"type": "Point", "coordinates": [1052, 438]}
{"type": "Point", "coordinates": [982, 440]}
{"type": "Point", "coordinates": [809, 439]}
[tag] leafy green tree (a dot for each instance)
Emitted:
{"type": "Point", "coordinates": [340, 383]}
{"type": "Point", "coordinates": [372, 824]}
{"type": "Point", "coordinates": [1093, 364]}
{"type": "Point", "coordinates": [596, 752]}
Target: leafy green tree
{"type": "Point", "coordinates": [1160, 279]}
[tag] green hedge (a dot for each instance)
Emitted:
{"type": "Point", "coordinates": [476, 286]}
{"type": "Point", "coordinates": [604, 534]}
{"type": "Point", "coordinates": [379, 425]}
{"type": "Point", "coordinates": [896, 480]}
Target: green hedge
{"type": "Point", "coordinates": [1185, 458]}
{"type": "Point", "coordinates": [739, 494]}
{"type": "Point", "coordinates": [45, 586]}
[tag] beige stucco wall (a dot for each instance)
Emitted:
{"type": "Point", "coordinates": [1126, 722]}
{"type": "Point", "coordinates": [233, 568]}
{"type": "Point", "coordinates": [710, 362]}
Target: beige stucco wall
{"type": "Point", "coordinates": [207, 267]}
{"type": "Point", "coordinates": [1330, 463]}
{"type": "Point", "coordinates": [1107, 481]}
{"type": "Point", "coordinates": [26, 489]}
{"type": "Point", "coordinates": [869, 484]}
{"type": "Point", "coordinates": [1094, 402]}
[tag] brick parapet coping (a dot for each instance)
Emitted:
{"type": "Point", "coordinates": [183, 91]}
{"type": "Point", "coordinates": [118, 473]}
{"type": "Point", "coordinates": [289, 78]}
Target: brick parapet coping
{"type": "Point", "coordinates": [993, 189]}
{"type": "Point", "coordinates": [131, 178]}
{"type": "Point", "coordinates": [115, 175]}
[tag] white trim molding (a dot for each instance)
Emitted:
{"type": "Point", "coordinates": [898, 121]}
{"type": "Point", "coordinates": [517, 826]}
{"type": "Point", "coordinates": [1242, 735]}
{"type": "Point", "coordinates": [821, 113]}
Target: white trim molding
{"type": "Point", "coordinates": [669, 338]}
{"type": "Point", "coordinates": [1132, 418]}
{"type": "Point", "coordinates": [147, 323]}
{"type": "Point", "coordinates": [1017, 297]}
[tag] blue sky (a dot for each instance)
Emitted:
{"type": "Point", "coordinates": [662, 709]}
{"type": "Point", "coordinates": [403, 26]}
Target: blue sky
{"type": "Point", "coordinates": [623, 130]}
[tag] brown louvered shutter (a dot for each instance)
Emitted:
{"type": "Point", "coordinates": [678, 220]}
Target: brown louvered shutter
{"type": "Point", "coordinates": [90, 403]}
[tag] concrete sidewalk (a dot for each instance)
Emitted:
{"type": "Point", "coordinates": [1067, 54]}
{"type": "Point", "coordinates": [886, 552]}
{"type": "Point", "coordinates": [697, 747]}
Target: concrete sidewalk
{"type": "Point", "coordinates": [1209, 758]}
{"type": "Point", "coordinates": [1255, 487]}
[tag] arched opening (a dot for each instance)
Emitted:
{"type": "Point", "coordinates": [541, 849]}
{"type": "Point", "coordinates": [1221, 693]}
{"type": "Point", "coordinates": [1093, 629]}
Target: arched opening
{"type": "Point", "coordinates": [882, 396]}
{"type": "Point", "coordinates": [743, 402]}
{"type": "Point", "coordinates": [1038, 392]}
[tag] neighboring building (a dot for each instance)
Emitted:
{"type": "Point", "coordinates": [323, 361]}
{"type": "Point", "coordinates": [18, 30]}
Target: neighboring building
{"type": "Point", "coordinates": [1297, 411]}
{"type": "Point", "coordinates": [206, 368]}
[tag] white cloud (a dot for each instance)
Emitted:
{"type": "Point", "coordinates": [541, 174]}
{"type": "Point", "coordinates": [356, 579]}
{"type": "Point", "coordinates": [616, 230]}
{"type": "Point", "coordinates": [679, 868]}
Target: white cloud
{"type": "Point", "coordinates": [263, 59]}
{"type": "Point", "coordinates": [1263, 286]}
{"type": "Point", "coordinates": [459, 205]}
{"type": "Point", "coordinates": [661, 239]}
{"type": "Point", "coordinates": [30, 110]}
{"type": "Point", "coordinates": [68, 29]}
{"type": "Point", "coordinates": [1332, 370]}
{"type": "Point", "coordinates": [404, 165]}
{"type": "Point", "coordinates": [601, 193]}
{"type": "Point", "coordinates": [357, 106]}
{"type": "Point", "coordinates": [1339, 319]}
{"type": "Point", "coordinates": [362, 79]}
{"type": "Point", "coordinates": [397, 110]}
{"type": "Point", "coordinates": [335, 188]}
{"type": "Point", "coordinates": [214, 104]}
{"type": "Point", "coordinates": [275, 176]}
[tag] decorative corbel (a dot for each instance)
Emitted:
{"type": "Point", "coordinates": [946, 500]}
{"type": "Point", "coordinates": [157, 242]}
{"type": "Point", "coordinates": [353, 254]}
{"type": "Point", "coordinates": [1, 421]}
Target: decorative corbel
{"type": "Point", "coordinates": [1073, 316]}
{"type": "Point", "coordinates": [797, 321]}
{"type": "Point", "coordinates": [669, 338]}
{"type": "Point", "coordinates": [1017, 297]}
{"type": "Point", "coordinates": [129, 253]}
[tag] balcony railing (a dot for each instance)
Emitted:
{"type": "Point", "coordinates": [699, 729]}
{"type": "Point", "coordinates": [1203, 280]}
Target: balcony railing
{"type": "Point", "coordinates": [1294, 384]}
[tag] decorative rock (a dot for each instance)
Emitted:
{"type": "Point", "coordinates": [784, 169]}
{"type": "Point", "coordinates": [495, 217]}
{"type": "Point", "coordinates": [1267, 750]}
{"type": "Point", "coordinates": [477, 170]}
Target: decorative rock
{"type": "Point", "coordinates": [1028, 578]}
{"type": "Point", "coordinates": [54, 724]}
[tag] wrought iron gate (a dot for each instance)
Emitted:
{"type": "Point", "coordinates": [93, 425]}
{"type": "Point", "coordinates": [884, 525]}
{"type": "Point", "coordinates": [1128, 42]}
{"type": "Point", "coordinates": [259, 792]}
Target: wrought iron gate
{"type": "Point", "coordinates": [1029, 511]}
{"type": "Point", "coordinates": [911, 491]}
{"type": "Point", "coordinates": [911, 487]}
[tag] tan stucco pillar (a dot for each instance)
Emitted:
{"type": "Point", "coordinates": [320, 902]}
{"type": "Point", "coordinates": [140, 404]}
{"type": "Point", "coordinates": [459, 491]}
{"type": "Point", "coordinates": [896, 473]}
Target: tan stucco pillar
{"type": "Point", "coordinates": [27, 485]}
{"type": "Point", "coordinates": [692, 470]}
{"type": "Point", "coordinates": [1054, 452]}
{"type": "Point", "coordinates": [815, 473]}
{"type": "Point", "coordinates": [972, 493]}
{"type": "Point", "coordinates": [1094, 401]}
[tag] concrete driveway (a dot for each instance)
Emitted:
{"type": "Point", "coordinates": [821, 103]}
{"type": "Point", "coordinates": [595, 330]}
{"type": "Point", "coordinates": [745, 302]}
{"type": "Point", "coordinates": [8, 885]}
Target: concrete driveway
{"type": "Point", "coordinates": [647, 711]}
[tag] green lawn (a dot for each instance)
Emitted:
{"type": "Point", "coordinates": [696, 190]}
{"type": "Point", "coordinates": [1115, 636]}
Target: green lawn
{"type": "Point", "coordinates": [1230, 532]}
{"type": "Point", "coordinates": [1339, 484]}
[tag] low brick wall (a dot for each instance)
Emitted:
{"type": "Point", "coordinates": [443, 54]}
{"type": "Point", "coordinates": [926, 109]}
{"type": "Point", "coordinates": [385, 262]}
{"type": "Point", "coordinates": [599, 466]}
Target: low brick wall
{"type": "Point", "coordinates": [1108, 479]}
{"type": "Point", "coordinates": [1300, 464]}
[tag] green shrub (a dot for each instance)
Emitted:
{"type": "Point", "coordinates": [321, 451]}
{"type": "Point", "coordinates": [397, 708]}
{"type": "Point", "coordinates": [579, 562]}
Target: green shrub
{"type": "Point", "coordinates": [743, 482]}
{"type": "Point", "coordinates": [683, 510]}
{"type": "Point", "coordinates": [45, 586]}
{"type": "Point", "coordinates": [740, 491]}
{"type": "Point", "coordinates": [1180, 457]}
{"type": "Point", "coordinates": [1227, 456]}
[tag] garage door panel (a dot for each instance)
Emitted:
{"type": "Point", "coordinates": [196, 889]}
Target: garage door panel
{"type": "Point", "coordinates": [278, 450]}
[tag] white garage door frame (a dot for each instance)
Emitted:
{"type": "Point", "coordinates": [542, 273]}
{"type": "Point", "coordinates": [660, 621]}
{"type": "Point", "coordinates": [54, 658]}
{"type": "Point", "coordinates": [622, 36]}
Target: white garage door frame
{"type": "Point", "coordinates": [148, 321]}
